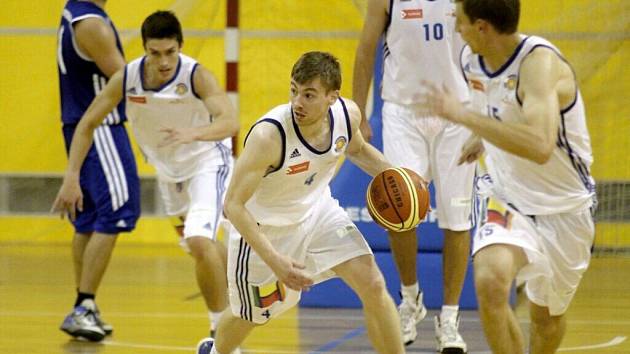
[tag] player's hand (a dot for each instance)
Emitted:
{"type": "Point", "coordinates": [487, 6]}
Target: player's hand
{"type": "Point", "coordinates": [471, 150]}
{"type": "Point", "coordinates": [439, 101]}
{"type": "Point", "coordinates": [69, 199]}
{"type": "Point", "coordinates": [291, 273]}
{"type": "Point", "coordinates": [366, 130]}
{"type": "Point", "coordinates": [177, 136]}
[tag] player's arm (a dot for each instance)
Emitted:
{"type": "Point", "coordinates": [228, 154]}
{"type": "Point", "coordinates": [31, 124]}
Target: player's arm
{"type": "Point", "coordinates": [261, 152]}
{"type": "Point", "coordinates": [96, 38]}
{"type": "Point", "coordinates": [223, 121]}
{"type": "Point", "coordinates": [359, 151]}
{"type": "Point", "coordinates": [373, 27]}
{"type": "Point", "coordinates": [535, 138]}
{"type": "Point", "coordinates": [69, 199]}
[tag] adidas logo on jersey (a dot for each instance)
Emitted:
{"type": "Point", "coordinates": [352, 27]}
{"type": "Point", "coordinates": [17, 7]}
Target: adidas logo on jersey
{"type": "Point", "coordinates": [121, 223]}
{"type": "Point", "coordinates": [295, 154]}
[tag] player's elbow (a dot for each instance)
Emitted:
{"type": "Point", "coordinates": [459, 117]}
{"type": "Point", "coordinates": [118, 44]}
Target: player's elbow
{"type": "Point", "coordinates": [542, 154]}
{"type": "Point", "coordinates": [234, 127]}
{"type": "Point", "coordinates": [231, 207]}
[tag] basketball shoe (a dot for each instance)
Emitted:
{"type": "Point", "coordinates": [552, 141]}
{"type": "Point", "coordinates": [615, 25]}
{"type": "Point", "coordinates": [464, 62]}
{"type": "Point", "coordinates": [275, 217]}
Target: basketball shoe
{"type": "Point", "coordinates": [81, 323]}
{"type": "Point", "coordinates": [205, 346]}
{"type": "Point", "coordinates": [411, 313]}
{"type": "Point", "coordinates": [448, 338]}
{"type": "Point", "coordinates": [107, 328]}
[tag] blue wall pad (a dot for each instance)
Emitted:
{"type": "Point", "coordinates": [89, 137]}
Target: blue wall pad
{"type": "Point", "coordinates": [335, 293]}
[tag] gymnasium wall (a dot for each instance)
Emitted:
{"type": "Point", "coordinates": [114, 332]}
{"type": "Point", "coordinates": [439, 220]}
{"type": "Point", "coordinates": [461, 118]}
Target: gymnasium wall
{"type": "Point", "coordinates": [592, 34]}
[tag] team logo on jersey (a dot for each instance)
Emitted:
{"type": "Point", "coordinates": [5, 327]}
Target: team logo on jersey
{"type": "Point", "coordinates": [510, 82]}
{"type": "Point", "coordinates": [340, 143]}
{"type": "Point", "coordinates": [137, 99]}
{"type": "Point", "coordinates": [310, 179]}
{"type": "Point", "coordinates": [295, 154]}
{"type": "Point", "coordinates": [410, 14]}
{"type": "Point", "coordinates": [181, 89]}
{"type": "Point", "coordinates": [299, 168]}
{"type": "Point", "coordinates": [477, 85]}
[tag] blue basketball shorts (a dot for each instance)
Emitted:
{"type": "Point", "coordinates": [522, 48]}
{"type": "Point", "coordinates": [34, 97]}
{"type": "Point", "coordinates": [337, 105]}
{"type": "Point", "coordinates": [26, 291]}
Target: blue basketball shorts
{"type": "Point", "coordinates": [109, 182]}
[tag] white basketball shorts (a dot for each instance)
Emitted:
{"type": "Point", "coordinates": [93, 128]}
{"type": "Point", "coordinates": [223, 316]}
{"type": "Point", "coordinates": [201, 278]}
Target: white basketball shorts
{"type": "Point", "coordinates": [199, 199]}
{"type": "Point", "coordinates": [558, 248]}
{"type": "Point", "coordinates": [324, 240]}
{"type": "Point", "coordinates": [431, 147]}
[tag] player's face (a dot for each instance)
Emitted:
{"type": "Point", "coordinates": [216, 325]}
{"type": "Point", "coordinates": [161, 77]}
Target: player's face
{"type": "Point", "coordinates": [162, 57]}
{"type": "Point", "coordinates": [465, 27]}
{"type": "Point", "coordinates": [310, 101]}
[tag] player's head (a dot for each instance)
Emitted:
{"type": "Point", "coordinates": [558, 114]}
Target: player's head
{"type": "Point", "coordinates": [315, 84]}
{"type": "Point", "coordinates": [475, 17]}
{"type": "Point", "coordinates": [162, 39]}
{"type": "Point", "coordinates": [162, 25]}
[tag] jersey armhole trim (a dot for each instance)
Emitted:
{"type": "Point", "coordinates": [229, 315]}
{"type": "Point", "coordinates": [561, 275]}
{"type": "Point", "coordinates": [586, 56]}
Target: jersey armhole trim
{"type": "Point", "coordinates": [347, 116]}
{"type": "Point", "coordinates": [192, 80]}
{"type": "Point", "coordinates": [282, 135]}
{"type": "Point", "coordinates": [575, 94]}
{"type": "Point", "coordinates": [72, 34]}
{"type": "Point", "coordinates": [124, 86]}
{"type": "Point", "coordinates": [461, 62]}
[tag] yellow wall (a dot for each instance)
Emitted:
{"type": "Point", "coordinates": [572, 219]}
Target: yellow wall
{"type": "Point", "coordinates": [30, 139]}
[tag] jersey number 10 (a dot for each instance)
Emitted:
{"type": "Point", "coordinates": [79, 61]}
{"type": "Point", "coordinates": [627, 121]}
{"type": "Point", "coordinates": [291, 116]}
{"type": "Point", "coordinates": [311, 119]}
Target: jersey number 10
{"type": "Point", "coordinates": [436, 31]}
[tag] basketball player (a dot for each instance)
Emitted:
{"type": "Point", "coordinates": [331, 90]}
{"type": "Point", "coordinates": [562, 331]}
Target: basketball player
{"type": "Point", "coordinates": [529, 113]}
{"type": "Point", "coordinates": [420, 43]}
{"type": "Point", "coordinates": [293, 233]}
{"type": "Point", "coordinates": [183, 121]}
{"type": "Point", "coordinates": [88, 54]}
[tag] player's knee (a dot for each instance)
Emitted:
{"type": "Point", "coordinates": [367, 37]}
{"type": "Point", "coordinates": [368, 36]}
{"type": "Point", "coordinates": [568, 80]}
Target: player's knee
{"type": "Point", "coordinates": [372, 289]}
{"type": "Point", "coordinates": [200, 247]}
{"type": "Point", "coordinates": [491, 282]}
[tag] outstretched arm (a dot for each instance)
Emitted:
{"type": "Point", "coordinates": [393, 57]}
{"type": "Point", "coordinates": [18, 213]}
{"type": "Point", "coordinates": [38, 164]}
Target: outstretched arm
{"type": "Point", "coordinates": [224, 122]}
{"type": "Point", "coordinates": [360, 152]}
{"type": "Point", "coordinates": [534, 138]}
{"type": "Point", "coordinates": [69, 199]}
{"type": "Point", "coordinates": [261, 152]}
{"type": "Point", "coordinates": [373, 27]}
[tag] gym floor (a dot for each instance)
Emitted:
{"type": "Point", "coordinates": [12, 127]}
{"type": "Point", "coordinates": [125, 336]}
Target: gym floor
{"type": "Point", "coordinates": [150, 296]}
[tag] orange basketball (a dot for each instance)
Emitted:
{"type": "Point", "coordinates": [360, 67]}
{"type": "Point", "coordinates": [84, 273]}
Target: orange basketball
{"type": "Point", "coordinates": [397, 199]}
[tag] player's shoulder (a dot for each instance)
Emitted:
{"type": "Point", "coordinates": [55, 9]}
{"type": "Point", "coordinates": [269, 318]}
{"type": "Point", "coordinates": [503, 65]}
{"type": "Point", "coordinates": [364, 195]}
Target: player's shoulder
{"type": "Point", "coordinates": [354, 113]}
{"type": "Point", "coordinates": [78, 10]}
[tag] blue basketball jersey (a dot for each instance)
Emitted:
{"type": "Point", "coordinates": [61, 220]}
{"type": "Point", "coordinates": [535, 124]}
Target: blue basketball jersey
{"type": "Point", "coordinates": [80, 79]}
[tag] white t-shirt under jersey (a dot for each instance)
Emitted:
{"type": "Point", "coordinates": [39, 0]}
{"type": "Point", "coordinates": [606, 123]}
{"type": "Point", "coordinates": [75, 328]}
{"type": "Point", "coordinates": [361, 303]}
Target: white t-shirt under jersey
{"type": "Point", "coordinates": [421, 44]}
{"type": "Point", "coordinates": [175, 104]}
{"type": "Point", "coordinates": [562, 184]}
{"type": "Point", "coordinates": [289, 194]}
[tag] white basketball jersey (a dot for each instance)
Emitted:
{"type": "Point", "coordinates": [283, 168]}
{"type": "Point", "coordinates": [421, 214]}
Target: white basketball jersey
{"type": "Point", "coordinates": [420, 43]}
{"type": "Point", "coordinates": [175, 104]}
{"type": "Point", "coordinates": [289, 194]}
{"type": "Point", "coordinates": [564, 182]}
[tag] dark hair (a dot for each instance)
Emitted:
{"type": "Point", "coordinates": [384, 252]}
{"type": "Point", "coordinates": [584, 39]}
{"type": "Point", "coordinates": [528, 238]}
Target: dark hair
{"type": "Point", "coordinates": [502, 14]}
{"type": "Point", "coordinates": [312, 65]}
{"type": "Point", "coordinates": [160, 25]}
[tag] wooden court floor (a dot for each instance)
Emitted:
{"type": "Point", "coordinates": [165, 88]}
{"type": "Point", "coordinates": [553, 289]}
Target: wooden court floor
{"type": "Point", "coordinates": [150, 297]}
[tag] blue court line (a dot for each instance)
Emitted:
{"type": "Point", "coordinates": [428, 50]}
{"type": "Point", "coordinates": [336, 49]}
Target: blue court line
{"type": "Point", "coordinates": [335, 343]}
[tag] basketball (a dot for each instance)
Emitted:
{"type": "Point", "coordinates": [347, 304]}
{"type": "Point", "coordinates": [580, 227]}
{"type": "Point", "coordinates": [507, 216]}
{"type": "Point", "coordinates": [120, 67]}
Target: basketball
{"type": "Point", "coordinates": [397, 199]}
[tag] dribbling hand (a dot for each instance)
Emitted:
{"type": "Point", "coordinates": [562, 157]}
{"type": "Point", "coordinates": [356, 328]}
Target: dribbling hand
{"type": "Point", "coordinates": [291, 273]}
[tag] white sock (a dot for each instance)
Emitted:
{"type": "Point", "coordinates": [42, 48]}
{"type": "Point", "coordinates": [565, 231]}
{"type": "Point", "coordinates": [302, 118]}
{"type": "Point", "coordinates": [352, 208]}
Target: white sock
{"type": "Point", "coordinates": [214, 319]}
{"type": "Point", "coordinates": [410, 292]}
{"type": "Point", "coordinates": [449, 311]}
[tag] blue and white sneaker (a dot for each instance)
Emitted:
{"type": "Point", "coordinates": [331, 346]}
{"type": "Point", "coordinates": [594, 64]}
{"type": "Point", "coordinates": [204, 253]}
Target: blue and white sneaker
{"type": "Point", "coordinates": [82, 323]}
{"type": "Point", "coordinates": [205, 345]}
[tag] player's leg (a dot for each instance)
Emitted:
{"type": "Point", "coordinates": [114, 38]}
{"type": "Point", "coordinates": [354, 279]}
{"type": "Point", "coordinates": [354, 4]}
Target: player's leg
{"type": "Point", "coordinates": [210, 270]}
{"type": "Point", "coordinates": [546, 331]}
{"type": "Point", "coordinates": [404, 146]}
{"type": "Point", "coordinates": [381, 318]}
{"type": "Point", "coordinates": [566, 240]}
{"type": "Point", "coordinates": [111, 205]}
{"type": "Point", "coordinates": [79, 243]}
{"type": "Point", "coordinates": [454, 193]}
{"type": "Point", "coordinates": [496, 267]}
